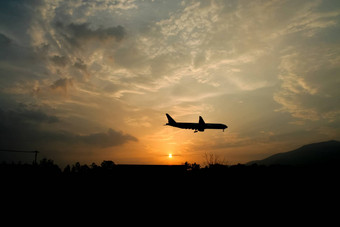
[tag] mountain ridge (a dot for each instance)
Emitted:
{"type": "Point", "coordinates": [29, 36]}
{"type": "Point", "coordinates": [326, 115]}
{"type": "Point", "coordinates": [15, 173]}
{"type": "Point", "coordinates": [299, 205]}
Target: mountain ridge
{"type": "Point", "coordinates": [322, 153]}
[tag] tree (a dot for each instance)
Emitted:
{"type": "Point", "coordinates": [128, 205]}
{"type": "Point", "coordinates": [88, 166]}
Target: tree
{"type": "Point", "coordinates": [213, 160]}
{"type": "Point", "coordinates": [192, 167]}
{"type": "Point", "coordinates": [67, 169]}
{"type": "Point", "coordinates": [108, 165]}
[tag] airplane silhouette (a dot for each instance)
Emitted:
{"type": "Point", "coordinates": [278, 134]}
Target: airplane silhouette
{"type": "Point", "coordinates": [200, 126]}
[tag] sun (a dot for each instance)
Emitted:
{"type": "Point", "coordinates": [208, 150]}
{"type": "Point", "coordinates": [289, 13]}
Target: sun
{"type": "Point", "coordinates": [170, 155]}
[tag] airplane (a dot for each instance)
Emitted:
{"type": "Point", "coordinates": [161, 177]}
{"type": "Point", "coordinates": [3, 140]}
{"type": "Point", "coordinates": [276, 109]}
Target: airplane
{"type": "Point", "coordinates": [200, 126]}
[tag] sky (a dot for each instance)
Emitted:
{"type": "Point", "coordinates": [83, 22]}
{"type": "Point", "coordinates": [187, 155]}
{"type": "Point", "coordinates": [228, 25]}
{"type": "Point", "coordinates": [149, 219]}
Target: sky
{"type": "Point", "coordinates": [92, 80]}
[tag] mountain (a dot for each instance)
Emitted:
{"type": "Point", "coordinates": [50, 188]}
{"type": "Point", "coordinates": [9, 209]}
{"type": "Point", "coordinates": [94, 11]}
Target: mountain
{"type": "Point", "coordinates": [321, 154]}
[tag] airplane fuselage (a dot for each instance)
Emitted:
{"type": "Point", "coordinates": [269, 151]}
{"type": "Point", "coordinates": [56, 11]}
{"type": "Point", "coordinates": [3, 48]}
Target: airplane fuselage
{"type": "Point", "coordinates": [201, 126]}
{"type": "Point", "coordinates": [197, 126]}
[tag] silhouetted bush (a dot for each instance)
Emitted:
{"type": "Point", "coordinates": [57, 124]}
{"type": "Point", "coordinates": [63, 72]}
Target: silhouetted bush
{"type": "Point", "coordinates": [189, 174]}
{"type": "Point", "coordinates": [108, 165]}
{"type": "Point", "coordinates": [48, 166]}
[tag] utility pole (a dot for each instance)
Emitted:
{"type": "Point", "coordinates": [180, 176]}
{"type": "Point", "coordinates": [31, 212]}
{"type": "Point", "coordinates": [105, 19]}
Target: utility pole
{"type": "Point", "coordinates": [35, 157]}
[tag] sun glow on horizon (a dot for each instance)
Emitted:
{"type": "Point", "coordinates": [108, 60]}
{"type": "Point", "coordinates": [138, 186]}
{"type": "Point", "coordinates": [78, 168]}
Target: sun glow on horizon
{"type": "Point", "coordinates": [170, 155]}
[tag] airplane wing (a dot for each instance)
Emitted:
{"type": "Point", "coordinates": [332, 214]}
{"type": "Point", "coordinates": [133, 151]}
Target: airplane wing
{"type": "Point", "coordinates": [192, 126]}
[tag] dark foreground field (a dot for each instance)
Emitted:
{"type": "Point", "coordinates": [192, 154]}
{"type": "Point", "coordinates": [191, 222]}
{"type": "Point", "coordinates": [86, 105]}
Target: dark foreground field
{"type": "Point", "coordinates": [215, 191]}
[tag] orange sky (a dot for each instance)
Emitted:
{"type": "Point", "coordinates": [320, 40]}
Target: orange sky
{"type": "Point", "coordinates": [92, 81]}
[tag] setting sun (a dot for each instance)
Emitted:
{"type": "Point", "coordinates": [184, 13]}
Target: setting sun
{"type": "Point", "coordinates": [170, 155]}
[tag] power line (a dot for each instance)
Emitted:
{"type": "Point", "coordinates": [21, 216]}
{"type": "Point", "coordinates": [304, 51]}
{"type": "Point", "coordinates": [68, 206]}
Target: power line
{"type": "Point", "coordinates": [35, 153]}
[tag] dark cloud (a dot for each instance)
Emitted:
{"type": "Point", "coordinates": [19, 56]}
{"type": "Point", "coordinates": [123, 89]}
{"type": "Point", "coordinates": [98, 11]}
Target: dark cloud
{"type": "Point", "coordinates": [62, 85]}
{"type": "Point", "coordinates": [24, 116]}
{"type": "Point", "coordinates": [82, 68]}
{"type": "Point", "coordinates": [12, 51]}
{"type": "Point", "coordinates": [17, 15]}
{"type": "Point", "coordinates": [4, 40]}
{"type": "Point", "coordinates": [59, 60]}
{"type": "Point", "coordinates": [83, 31]}
{"type": "Point", "coordinates": [22, 128]}
{"type": "Point", "coordinates": [80, 65]}
{"type": "Point", "coordinates": [108, 139]}
{"type": "Point", "coordinates": [5, 45]}
{"type": "Point", "coordinates": [76, 34]}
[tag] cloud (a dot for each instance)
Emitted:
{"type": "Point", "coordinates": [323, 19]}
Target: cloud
{"type": "Point", "coordinates": [23, 115]}
{"type": "Point", "coordinates": [62, 85]}
{"type": "Point", "coordinates": [4, 40]}
{"type": "Point", "coordinates": [108, 139]}
{"type": "Point", "coordinates": [6, 47]}
{"type": "Point", "coordinates": [60, 61]}
{"type": "Point", "coordinates": [79, 34]}
{"type": "Point", "coordinates": [308, 85]}
{"type": "Point", "coordinates": [194, 21]}
{"type": "Point", "coordinates": [80, 11]}
{"type": "Point", "coordinates": [15, 16]}
{"type": "Point", "coordinates": [310, 18]}
{"type": "Point", "coordinates": [24, 128]}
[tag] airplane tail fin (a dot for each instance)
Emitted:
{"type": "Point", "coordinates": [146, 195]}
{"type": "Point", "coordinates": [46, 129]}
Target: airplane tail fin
{"type": "Point", "coordinates": [201, 121]}
{"type": "Point", "coordinates": [171, 121]}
